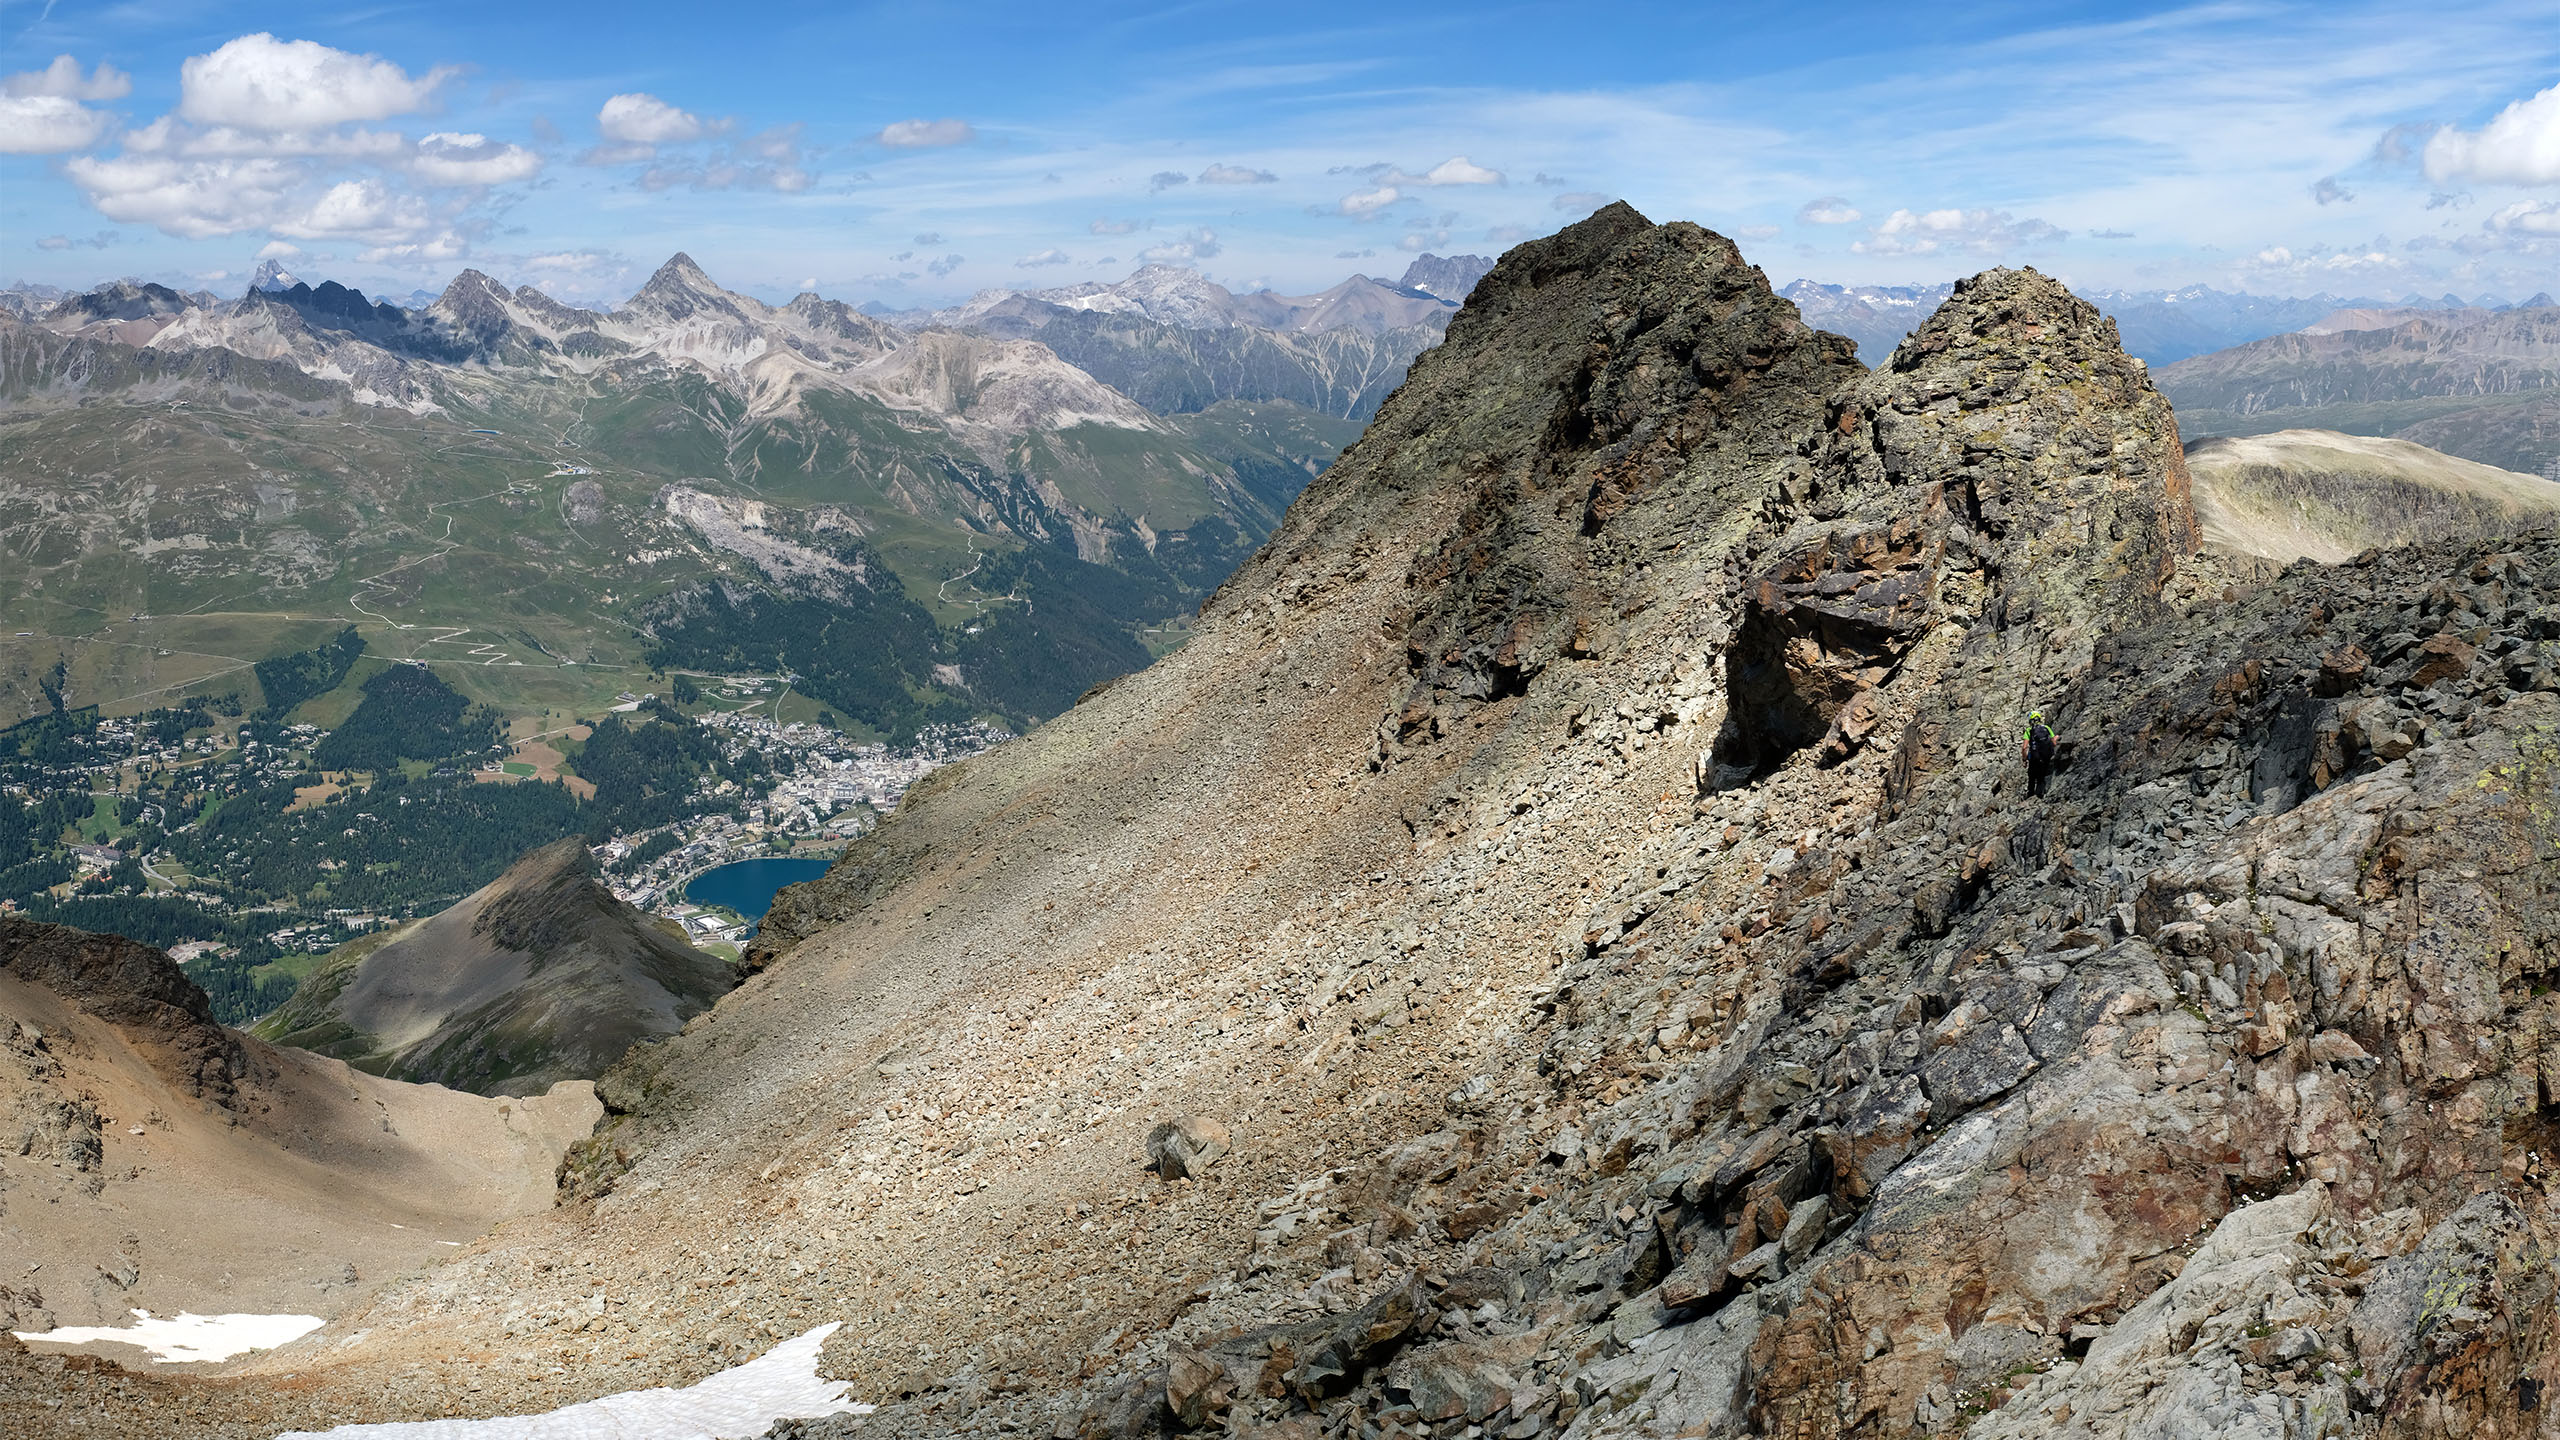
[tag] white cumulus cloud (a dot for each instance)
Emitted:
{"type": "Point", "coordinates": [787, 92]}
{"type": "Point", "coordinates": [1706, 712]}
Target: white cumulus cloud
{"type": "Point", "coordinates": [925, 134]}
{"type": "Point", "coordinates": [190, 199]}
{"type": "Point", "coordinates": [278, 250]}
{"type": "Point", "coordinates": [48, 125]}
{"type": "Point", "coordinates": [2527, 217]}
{"type": "Point", "coordinates": [1456, 170]}
{"type": "Point", "coordinates": [448, 158]}
{"type": "Point", "coordinates": [1116, 227]}
{"type": "Point", "coordinates": [168, 136]}
{"type": "Point", "coordinates": [62, 79]}
{"type": "Point", "coordinates": [1829, 210]}
{"type": "Point", "coordinates": [1369, 202]}
{"type": "Point", "coordinates": [258, 82]}
{"type": "Point", "coordinates": [1459, 170]}
{"type": "Point", "coordinates": [1981, 232]}
{"type": "Point", "coordinates": [643, 119]}
{"type": "Point", "coordinates": [1236, 175]}
{"type": "Point", "coordinates": [2521, 146]}
{"type": "Point", "coordinates": [1038, 258]}
{"type": "Point", "coordinates": [361, 209]}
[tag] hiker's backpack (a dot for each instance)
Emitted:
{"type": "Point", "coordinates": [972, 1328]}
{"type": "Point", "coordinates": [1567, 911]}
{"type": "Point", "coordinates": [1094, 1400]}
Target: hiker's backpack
{"type": "Point", "coordinates": [2039, 740]}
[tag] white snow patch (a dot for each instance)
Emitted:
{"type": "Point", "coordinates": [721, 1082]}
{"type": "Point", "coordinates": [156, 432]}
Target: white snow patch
{"type": "Point", "coordinates": [735, 1404]}
{"type": "Point", "coordinates": [189, 1337]}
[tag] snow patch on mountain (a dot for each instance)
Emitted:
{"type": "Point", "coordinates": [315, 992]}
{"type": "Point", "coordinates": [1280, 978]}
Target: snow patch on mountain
{"type": "Point", "coordinates": [185, 1337]}
{"type": "Point", "coordinates": [736, 1404]}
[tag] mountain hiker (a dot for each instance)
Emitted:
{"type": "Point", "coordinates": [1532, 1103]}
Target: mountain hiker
{"type": "Point", "coordinates": [2037, 745]}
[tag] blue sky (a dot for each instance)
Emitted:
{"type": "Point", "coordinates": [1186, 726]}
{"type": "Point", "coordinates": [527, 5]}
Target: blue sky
{"type": "Point", "coordinates": [916, 152]}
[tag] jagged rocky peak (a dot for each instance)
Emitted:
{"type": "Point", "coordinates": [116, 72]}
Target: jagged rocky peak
{"type": "Point", "coordinates": [680, 290]}
{"type": "Point", "coordinates": [836, 320]}
{"type": "Point", "coordinates": [2010, 464]}
{"type": "Point", "coordinates": [553, 312]}
{"type": "Point", "coordinates": [476, 306]}
{"type": "Point", "coordinates": [1607, 393]}
{"type": "Point", "coordinates": [330, 304]}
{"type": "Point", "coordinates": [473, 288]}
{"type": "Point", "coordinates": [1447, 277]}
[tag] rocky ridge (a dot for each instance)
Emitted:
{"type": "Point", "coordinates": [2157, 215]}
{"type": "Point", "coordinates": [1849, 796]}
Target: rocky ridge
{"type": "Point", "coordinates": [1580, 867]}
{"type": "Point", "coordinates": [540, 976]}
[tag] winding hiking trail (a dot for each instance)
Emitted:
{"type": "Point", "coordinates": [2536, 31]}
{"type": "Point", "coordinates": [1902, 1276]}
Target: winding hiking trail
{"type": "Point", "coordinates": [480, 653]}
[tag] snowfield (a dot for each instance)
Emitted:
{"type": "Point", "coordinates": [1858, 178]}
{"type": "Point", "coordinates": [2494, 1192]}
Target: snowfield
{"type": "Point", "coordinates": [736, 1404]}
{"type": "Point", "coordinates": [187, 1337]}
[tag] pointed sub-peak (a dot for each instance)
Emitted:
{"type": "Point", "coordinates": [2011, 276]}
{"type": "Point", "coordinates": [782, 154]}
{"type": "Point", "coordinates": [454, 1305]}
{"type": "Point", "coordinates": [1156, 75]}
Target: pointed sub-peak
{"type": "Point", "coordinates": [472, 286]}
{"type": "Point", "coordinates": [2018, 396]}
{"type": "Point", "coordinates": [679, 273]}
{"type": "Point", "coordinates": [680, 288]}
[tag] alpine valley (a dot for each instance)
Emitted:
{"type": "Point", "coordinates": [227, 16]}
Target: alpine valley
{"type": "Point", "coordinates": [977, 512]}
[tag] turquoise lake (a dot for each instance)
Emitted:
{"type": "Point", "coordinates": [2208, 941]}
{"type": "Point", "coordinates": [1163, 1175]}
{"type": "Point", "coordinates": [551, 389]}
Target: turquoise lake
{"type": "Point", "coordinates": [748, 886]}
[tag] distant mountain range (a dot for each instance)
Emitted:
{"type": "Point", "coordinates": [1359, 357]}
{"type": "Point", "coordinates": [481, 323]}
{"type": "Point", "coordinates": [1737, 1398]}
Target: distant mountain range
{"type": "Point", "coordinates": [2480, 383]}
{"type": "Point", "coordinates": [1177, 342]}
{"type": "Point", "coordinates": [922, 522]}
{"type": "Point", "coordinates": [985, 508]}
{"type": "Point", "coordinates": [2157, 326]}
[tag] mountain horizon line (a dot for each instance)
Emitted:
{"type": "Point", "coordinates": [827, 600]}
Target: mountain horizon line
{"type": "Point", "coordinates": [265, 277]}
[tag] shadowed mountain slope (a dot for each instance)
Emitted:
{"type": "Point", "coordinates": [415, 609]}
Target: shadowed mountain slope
{"type": "Point", "coordinates": [540, 976]}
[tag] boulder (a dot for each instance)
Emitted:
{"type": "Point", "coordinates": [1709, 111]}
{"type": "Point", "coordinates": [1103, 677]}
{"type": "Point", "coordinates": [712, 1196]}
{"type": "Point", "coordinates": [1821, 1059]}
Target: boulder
{"type": "Point", "coordinates": [1184, 1149]}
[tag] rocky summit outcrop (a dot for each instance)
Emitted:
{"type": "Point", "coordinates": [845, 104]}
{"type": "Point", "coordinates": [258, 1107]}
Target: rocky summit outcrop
{"type": "Point", "coordinates": [1582, 869]}
{"type": "Point", "coordinates": [542, 975]}
{"type": "Point", "coordinates": [137, 990]}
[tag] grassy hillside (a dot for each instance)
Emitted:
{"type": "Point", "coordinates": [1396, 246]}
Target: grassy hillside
{"type": "Point", "coordinates": [2326, 496]}
{"type": "Point", "coordinates": [164, 546]}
